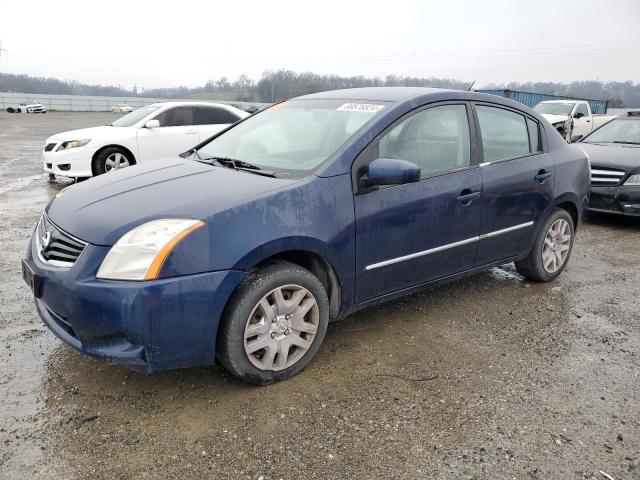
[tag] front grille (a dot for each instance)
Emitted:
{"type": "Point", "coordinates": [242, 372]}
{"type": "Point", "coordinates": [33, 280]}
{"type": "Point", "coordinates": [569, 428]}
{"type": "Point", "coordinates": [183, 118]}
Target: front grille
{"type": "Point", "coordinates": [57, 246]}
{"type": "Point", "coordinates": [605, 177]}
{"type": "Point", "coordinates": [49, 147]}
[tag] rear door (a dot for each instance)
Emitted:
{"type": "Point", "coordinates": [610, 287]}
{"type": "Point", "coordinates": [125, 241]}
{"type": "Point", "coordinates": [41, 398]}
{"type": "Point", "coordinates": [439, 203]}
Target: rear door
{"type": "Point", "coordinates": [212, 119]}
{"type": "Point", "coordinates": [177, 133]}
{"type": "Point", "coordinates": [413, 233]}
{"type": "Point", "coordinates": [518, 181]}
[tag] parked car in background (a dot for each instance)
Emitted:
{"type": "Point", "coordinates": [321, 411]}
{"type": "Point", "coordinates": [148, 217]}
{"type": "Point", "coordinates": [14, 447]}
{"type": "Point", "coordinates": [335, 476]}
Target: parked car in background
{"type": "Point", "coordinates": [121, 108]}
{"type": "Point", "coordinates": [614, 150]}
{"type": "Point", "coordinates": [244, 249]}
{"type": "Point", "coordinates": [28, 108]}
{"type": "Point", "coordinates": [571, 118]}
{"type": "Point", "coordinates": [149, 133]}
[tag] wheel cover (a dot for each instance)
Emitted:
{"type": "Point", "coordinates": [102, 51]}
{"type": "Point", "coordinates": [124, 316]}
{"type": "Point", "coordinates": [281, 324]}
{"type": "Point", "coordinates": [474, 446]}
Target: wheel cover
{"type": "Point", "coordinates": [557, 243]}
{"type": "Point", "coordinates": [281, 328]}
{"type": "Point", "coordinates": [115, 161]}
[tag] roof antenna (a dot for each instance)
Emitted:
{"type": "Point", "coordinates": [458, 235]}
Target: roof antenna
{"type": "Point", "coordinates": [471, 86]}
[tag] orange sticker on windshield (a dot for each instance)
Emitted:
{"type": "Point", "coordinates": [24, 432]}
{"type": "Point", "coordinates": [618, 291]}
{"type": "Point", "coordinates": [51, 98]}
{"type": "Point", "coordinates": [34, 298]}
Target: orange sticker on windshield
{"type": "Point", "coordinates": [276, 106]}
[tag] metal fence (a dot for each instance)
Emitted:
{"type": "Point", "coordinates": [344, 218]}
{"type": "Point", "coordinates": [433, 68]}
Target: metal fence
{"type": "Point", "coordinates": [81, 103]}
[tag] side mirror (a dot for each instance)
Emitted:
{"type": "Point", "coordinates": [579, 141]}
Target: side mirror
{"type": "Point", "coordinates": [578, 115]}
{"type": "Point", "coordinates": [576, 138]}
{"type": "Point", "coordinates": [152, 124]}
{"type": "Point", "coordinates": [391, 171]}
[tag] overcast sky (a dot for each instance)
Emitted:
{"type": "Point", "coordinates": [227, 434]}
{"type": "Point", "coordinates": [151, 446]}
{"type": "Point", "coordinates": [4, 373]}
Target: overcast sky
{"type": "Point", "coordinates": [154, 44]}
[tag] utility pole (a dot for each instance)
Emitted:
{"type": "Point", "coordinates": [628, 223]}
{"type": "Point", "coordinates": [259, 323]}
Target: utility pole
{"type": "Point", "coordinates": [2, 50]}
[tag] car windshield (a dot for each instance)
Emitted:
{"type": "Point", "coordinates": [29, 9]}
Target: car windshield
{"type": "Point", "coordinates": [554, 108]}
{"type": "Point", "coordinates": [617, 131]}
{"type": "Point", "coordinates": [134, 117]}
{"type": "Point", "coordinates": [293, 137]}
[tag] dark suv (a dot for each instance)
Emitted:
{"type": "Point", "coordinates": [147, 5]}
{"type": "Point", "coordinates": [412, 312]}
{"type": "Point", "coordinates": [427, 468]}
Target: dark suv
{"type": "Point", "coordinates": [244, 249]}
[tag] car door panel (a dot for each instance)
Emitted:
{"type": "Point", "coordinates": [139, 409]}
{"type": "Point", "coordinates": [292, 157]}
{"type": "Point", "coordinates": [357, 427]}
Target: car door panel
{"type": "Point", "coordinates": [414, 233]}
{"type": "Point", "coordinates": [423, 221]}
{"type": "Point", "coordinates": [170, 138]}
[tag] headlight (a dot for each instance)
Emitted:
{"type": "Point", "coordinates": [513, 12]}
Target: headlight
{"type": "Point", "coordinates": [633, 180]}
{"type": "Point", "coordinates": [140, 253]}
{"type": "Point", "coordinates": [72, 144]}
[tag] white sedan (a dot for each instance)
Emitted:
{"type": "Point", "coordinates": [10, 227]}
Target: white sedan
{"type": "Point", "coordinates": [156, 131]}
{"type": "Point", "coordinates": [121, 108]}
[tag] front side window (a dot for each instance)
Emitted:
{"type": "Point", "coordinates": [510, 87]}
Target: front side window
{"type": "Point", "coordinates": [293, 137]}
{"type": "Point", "coordinates": [214, 116]}
{"type": "Point", "coordinates": [504, 133]}
{"type": "Point", "coordinates": [582, 108]}
{"type": "Point", "coordinates": [134, 117]}
{"type": "Point", "coordinates": [435, 139]}
{"type": "Point", "coordinates": [177, 117]}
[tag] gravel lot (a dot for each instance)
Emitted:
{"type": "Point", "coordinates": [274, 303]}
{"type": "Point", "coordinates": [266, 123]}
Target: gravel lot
{"type": "Point", "coordinates": [488, 377]}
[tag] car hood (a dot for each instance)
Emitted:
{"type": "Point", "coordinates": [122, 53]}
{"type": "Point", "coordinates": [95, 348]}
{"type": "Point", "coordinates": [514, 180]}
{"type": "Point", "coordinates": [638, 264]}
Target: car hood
{"type": "Point", "coordinates": [102, 209]}
{"type": "Point", "coordinates": [551, 118]}
{"type": "Point", "coordinates": [625, 157]}
{"type": "Point", "coordinates": [93, 133]}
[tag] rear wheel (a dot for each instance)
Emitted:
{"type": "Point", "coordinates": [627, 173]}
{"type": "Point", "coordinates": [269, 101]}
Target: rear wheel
{"type": "Point", "coordinates": [274, 324]}
{"type": "Point", "coordinates": [551, 250]}
{"type": "Point", "coordinates": [112, 158]}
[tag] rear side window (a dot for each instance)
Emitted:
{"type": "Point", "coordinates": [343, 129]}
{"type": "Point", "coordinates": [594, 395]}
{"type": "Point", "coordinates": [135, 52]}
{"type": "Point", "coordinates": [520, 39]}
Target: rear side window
{"type": "Point", "coordinates": [435, 139]}
{"type": "Point", "coordinates": [504, 133]}
{"type": "Point", "coordinates": [534, 135]}
{"type": "Point", "coordinates": [214, 116]}
{"type": "Point", "coordinates": [177, 117]}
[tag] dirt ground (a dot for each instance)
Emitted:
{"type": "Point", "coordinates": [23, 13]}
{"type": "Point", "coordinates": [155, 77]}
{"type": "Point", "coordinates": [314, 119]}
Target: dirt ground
{"type": "Point", "coordinates": [488, 377]}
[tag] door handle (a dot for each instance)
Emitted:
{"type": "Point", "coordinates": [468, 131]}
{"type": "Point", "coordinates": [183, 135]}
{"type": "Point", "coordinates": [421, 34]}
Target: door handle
{"type": "Point", "coordinates": [191, 132]}
{"type": "Point", "coordinates": [542, 176]}
{"type": "Point", "coordinates": [467, 197]}
{"type": "Point", "coordinates": [588, 121]}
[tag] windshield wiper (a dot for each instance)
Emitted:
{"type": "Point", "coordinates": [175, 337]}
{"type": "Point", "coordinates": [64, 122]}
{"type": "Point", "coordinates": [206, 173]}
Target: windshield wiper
{"type": "Point", "coordinates": [238, 165]}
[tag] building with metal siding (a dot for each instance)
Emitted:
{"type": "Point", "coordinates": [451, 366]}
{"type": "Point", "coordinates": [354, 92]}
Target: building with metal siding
{"type": "Point", "coordinates": [531, 99]}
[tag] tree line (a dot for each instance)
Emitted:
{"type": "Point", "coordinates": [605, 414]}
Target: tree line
{"type": "Point", "coordinates": [282, 84]}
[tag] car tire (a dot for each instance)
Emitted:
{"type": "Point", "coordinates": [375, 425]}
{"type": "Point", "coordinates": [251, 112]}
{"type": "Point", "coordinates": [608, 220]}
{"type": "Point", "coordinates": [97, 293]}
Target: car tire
{"type": "Point", "coordinates": [107, 159]}
{"type": "Point", "coordinates": [257, 313]}
{"type": "Point", "coordinates": [551, 249]}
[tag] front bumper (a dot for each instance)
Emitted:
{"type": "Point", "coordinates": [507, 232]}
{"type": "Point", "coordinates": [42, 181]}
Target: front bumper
{"type": "Point", "coordinates": [146, 326]}
{"type": "Point", "coordinates": [75, 162]}
{"type": "Point", "coordinates": [621, 200]}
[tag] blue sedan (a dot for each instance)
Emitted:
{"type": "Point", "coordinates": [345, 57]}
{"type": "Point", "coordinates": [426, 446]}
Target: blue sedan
{"type": "Point", "coordinates": [246, 247]}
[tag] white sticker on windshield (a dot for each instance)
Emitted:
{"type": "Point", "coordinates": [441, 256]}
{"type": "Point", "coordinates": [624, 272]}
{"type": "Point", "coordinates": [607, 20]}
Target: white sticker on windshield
{"type": "Point", "coordinates": [360, 107]}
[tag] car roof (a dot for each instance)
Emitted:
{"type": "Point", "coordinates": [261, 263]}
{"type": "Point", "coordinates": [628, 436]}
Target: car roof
{"type": "Point", "coordinates": [562, 101]}
{"type": "Point", "coordinates": [377, 94]}
{"type": "Point", "coordinates": [187, 103]}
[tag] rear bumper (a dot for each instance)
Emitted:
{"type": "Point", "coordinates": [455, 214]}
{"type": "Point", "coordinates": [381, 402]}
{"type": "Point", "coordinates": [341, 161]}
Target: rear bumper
{"type": "Point", "coordinates": [146, 326]}
{"type": "Point", "coordinates": [621, 200]}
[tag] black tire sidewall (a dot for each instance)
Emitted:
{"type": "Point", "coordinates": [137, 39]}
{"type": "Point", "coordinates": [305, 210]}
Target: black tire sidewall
{"type": "Point", "coordinates": [99, 162]}
{"type": "Point", "coordinates": [230, 342]}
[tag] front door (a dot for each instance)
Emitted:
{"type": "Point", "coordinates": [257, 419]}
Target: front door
{"type": "Point", "coordinates": [413, 233]}
{"type": "Point", "coordinates": [517, 179]}
{"type": "Point", "coordinates": [177, 133]}
{"type": "Point", "coordinates": [582, 120]}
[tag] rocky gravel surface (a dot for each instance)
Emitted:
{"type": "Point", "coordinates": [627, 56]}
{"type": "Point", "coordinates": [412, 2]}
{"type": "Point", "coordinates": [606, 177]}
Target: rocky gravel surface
{"type": "Point", "coordinates": [488, 377]}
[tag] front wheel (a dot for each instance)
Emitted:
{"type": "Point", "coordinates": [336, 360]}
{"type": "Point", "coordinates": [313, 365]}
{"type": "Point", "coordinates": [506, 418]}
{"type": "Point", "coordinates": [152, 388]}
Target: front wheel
{"type": "Point", "coordinates": [109, 159]}
{"type": "Point", "coordinates": [551, 249]}
{"type": "Point", "coordinates": [274, 324]}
